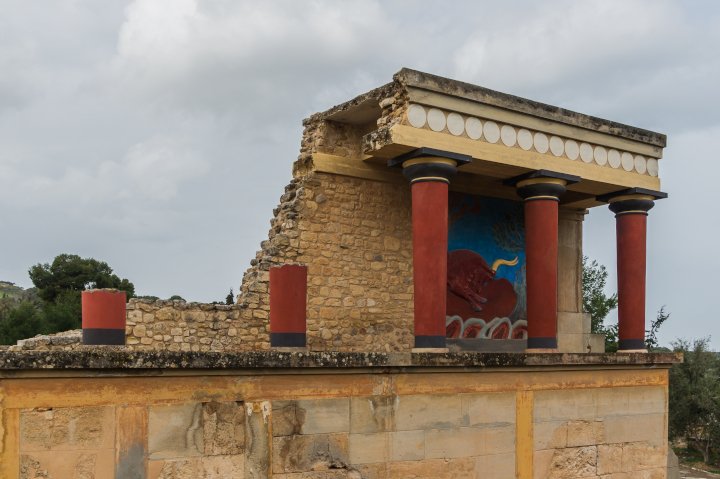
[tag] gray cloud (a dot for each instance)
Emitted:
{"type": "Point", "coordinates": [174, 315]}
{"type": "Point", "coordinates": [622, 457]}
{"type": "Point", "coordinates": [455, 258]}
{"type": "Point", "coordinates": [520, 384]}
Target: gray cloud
{"type": "Point", "coordinates": [157, 135]}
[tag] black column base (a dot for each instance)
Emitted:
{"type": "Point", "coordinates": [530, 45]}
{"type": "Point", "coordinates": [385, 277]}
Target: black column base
{"type": "Point", "coordinates": [288, 340]}
{"type": "Point", "coordinates": [429, 341]}
{"type": "Point", "coordinates": [103, 337]}
{"type": "Point", "coordinates": [631, 344]}
{"type": "Point", "coordinates": [542, 343]}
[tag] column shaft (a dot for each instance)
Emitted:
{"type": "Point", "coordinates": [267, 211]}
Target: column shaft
{"type": "Point", "coordinates": [430, 242]}
{"type": "Point", "coordinates": [288, 305]}
{"type": "Point", "coordinates": [541, 250]}
{"type": "Point", "coordinates": [631, 258]}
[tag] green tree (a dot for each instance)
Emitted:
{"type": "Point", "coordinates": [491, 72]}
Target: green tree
{"type": "Point", "coordinates": [71, 273]}
{"type": "Point", "coordinates": [230, 298]}
{"type": "Point", "coordinates": [595, 301]}
{"type": "Point", "coordinates": [694, 398]}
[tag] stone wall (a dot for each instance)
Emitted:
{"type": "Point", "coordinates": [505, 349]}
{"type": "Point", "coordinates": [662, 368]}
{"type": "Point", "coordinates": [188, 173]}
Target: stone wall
{"type": "Point", "coordinates": [181, 326]}
{"type": "Point", "coordinates": [319, 416]}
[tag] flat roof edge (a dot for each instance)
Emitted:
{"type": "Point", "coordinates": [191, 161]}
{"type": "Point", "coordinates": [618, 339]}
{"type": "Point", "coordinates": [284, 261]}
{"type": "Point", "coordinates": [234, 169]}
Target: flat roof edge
{"type": "Point", "coordinates": [447, 86]}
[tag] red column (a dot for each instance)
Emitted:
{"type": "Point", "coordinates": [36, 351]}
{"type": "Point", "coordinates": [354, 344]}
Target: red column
{"type": "Point", "coordinates": [288, 305]}
{"type": "Point", "coordinates": [103, 316]}
{"type": "Point", "coordinates": [541, 252]}
{"type": "Point", "coordinates": [430, 242]}
{"type": "Point", "coordinates": [541, 191]}
{"type": "Point", "coordinates": [631, 229]}
{"type": "Point", "coordinates": [429, 171]}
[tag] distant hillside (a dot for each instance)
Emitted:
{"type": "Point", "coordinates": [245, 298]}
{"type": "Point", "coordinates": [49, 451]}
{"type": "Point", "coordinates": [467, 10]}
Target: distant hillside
{"type": "Point", "coordinates": [10, 290]}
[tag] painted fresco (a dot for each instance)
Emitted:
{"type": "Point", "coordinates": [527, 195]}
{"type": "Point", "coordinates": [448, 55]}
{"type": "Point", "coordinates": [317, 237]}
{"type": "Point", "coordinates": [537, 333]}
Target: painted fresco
{"type": "Point", "coordinates": [486, 268]}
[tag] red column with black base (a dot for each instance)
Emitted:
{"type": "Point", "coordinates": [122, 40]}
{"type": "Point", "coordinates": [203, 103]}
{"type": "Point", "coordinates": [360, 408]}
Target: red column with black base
{"type": "Point", "coordinates": [430, 241]}
{"type": "Point", "coordinates": [631, 213]}
{"type": "Point", "coordinates": [288, 305]}
{"type": "Point", "coordinates": [541, 192]}
{"type": "Point", "coordinates": [429, 172]}
{"type": "Point", "coordinates": [103, 317]}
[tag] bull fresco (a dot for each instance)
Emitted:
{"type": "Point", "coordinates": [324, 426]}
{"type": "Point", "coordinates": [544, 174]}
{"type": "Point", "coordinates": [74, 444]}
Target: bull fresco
{"type": "Point", "coordinates": [486, 268]}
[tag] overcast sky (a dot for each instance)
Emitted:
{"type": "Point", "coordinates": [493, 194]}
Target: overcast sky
{"type": "Point", "coordinates": [158, 135]}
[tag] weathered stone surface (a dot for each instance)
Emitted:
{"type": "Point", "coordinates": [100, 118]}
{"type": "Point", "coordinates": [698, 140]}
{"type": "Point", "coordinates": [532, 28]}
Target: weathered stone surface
{"type": "Point", "coordinates": [211, 467]}
{"type": "Point", "coordinates": [175, 431]}
{"type": "Point", "coordinates": [373, 413]}
{"type": "Point", "coordinates": [111, 358]}
{"type": "Point", "coordinates": [223, 428]}
{"type": "Point", "coordinates": [573, 463]}
{"type": "Point", "coordinates": [73, 464]}
{"type": "Point", "coordinates": [463, 468]}
{"type": "Point", "coordinates": [258, 421]}
{"type": "Point", "coordinates": [491, 408]}
{"type": "Point", "coordinates": [312, 452]}
{"type": "Point", "coordinates": [429, 412]}
{"type": "Point", "coordinates": [495, 466]}
{"type": "Point", "coordinates": [315, 416]}
{"type": "Point", "coordinates": [67, 428]}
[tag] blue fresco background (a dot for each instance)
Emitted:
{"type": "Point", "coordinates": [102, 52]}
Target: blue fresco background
{"type": "Point", "coordinates": [493, 228]}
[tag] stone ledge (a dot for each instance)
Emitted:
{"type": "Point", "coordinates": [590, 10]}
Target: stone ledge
{"type": "Point", "coordinates": [116, 358]}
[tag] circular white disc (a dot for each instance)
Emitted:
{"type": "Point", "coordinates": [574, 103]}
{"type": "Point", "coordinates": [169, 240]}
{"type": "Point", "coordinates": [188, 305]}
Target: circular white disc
{"type": "Point", "coordinates": [600, 155]}
{"type": "Point", "coordinates": [557, 145]}
{"type": "Point", "coordinates": [614, 158]}
{"type": "Point", "coordinates": [455, 124]}
{"type": "Point", "coordinates": [436, 119]}
{"type": "Point", "coordinates": [586, 152]}
{"type": "Point", "coordinates": [473, 128]}
{"type": "Point", "coordinates": [491, 131]}
{"type": "Point", "coordinates": [508, 135]}
{"type": "Point", "coordinates": [628, 162]}
{"type": "Point", "coordinates": [416, 115]}
{"type": "Point", "coordinates": [652, 166]}
{"type": "Point", "coordinates": [572, 149]}
{"type": "Point", "coordinates": [640, 164]}
{"type": "Point", "coordinates": [524, 139]}
{"type": "Point", "coordinates": [540, 140]}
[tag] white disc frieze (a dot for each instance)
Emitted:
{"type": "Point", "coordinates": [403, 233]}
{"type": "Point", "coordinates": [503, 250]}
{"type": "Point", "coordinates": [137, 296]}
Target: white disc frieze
{"type": "Point", "coordinates": [524, 139]}
{"type": "Point", "coordinates": [416, 115]}
{"type": "Point", "coordinates": [491, 131]}
{"type": "Point", "coordinates": [586, 152]}
{"type": "Point", "coordinates": [627, 160]}
{"type": "Point", "coordinates": [652, 166]}
{"type": "Point", "coordinates": [473, 128]}
{"type": "Point", "coordinates": [600, 155]}
{"type": "Point", "coordinates": [540, 140]}
{"type": "Point", "coordinates": [614, 158]}
{"type": "Point", "coordinates": [640, 164]}
{"type": "Point", "coordinates": [436, 119]}
{"type": "Point", "coordinates": [508, 135]}
{"type": "Point", "coordinates": [572, 149]}
{"type": "Point", "coordinates": [557, 145]}
{"type": "Point", "coordinates": [455, 124]}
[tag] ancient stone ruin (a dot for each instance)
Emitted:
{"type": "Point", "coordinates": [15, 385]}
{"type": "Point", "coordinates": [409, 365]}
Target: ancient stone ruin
{"type": "Point", "coordinates": [416, 312]}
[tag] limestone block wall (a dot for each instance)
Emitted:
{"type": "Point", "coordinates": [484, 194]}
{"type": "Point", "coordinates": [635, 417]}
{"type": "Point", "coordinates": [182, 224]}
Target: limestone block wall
{"type": "Point", "coordinates": [450, 420]}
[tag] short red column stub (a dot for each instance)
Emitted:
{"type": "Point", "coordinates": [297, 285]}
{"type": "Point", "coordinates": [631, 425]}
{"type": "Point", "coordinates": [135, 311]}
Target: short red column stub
{"type": "Point", "coordinates": [288, 305]}
{"type": "Point", "coordinates": [103, 316]}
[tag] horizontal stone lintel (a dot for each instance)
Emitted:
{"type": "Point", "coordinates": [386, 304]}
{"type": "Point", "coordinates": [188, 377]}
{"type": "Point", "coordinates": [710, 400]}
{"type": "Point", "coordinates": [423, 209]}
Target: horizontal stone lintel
{"type": "Point", "coordinates": [115, 359]}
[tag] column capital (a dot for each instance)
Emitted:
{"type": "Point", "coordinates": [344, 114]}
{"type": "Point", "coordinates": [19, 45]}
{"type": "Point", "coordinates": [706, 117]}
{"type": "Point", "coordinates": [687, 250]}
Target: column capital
{"type": "Point", "coordinates": [632, 201]}
{"type": "Point", "coordinates": [429, 164]}
{"type": "Point", "coordinates": [542, 184]}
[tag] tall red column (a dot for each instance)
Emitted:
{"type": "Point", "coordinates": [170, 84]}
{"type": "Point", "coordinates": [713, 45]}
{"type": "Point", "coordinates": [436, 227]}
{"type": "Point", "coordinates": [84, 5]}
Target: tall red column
{"type": "Point", "coordinates": [429, 172]}
{"type": "Point", "coordinates": [631, 211]}
{"type": "Point", "coordinates": [430, 241]}
{"type": "Point", "coordinates": [541, 192]}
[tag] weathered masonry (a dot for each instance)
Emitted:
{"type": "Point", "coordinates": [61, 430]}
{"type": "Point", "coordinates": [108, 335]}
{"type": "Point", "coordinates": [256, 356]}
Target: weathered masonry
{"type": "Point", "coordinates": [416, 312]}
